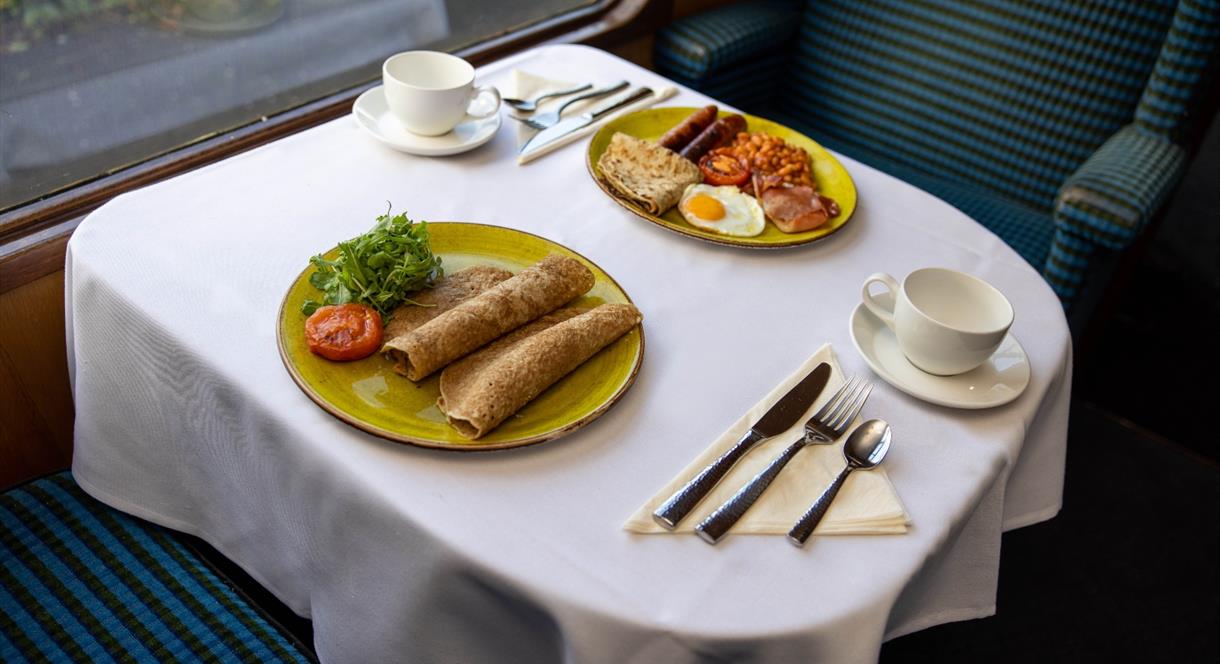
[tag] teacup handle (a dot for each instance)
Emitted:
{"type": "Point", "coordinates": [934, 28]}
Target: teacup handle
{"type": "Point", "coordinates": [886, 315]}
{"type": "Point", "coordinates": [479, 91]}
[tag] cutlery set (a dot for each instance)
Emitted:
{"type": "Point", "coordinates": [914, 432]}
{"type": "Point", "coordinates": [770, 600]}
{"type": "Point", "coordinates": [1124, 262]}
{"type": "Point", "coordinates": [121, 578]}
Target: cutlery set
{"type": "Point", "coordinates": [552, 126]}
{"type": "Point", "coordinates": [863, 450]}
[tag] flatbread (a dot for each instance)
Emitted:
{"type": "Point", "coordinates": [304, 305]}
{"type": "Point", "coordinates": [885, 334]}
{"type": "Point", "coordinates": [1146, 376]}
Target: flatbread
{"type": "Point", "coordinates": [483, 389]}
{"type": "Point", "coordinates": [444, 295]}
{"type": "Point", "coordinates": [537, 290]}
{"type": "Point", "coordinates": [645, 173]}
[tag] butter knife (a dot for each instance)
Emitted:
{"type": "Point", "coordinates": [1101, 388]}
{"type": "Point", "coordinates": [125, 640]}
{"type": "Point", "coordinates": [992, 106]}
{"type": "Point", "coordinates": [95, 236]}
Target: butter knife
{"type": "Point", "coordinates": [781, 416]}
{"type": "Point", "coordinates": [555, 133]}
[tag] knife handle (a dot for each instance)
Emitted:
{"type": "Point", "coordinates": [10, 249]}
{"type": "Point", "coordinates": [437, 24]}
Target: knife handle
{"type": "Point", "coordinates": [600, 92]}
{"type": "Point", "coordinates": [718, 523]}
{"type": "Point", "coordinates": [610, 105]}
{"type": "Point", "coordinates": [685, 499]}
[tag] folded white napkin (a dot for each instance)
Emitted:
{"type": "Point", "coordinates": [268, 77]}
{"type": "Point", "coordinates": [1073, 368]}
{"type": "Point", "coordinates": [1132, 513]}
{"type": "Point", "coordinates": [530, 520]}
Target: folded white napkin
{"type": "Point", "coordinates": [866, 505]}
{"type": "Point", "coordinates": [524, 85]}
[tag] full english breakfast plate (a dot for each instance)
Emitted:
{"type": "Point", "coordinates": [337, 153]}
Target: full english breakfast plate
{"type": "Point", "coordinates": [727, 178]}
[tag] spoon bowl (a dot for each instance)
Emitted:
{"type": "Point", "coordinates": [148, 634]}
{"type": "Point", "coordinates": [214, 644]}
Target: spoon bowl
{"type": "Point", "coordinates": [868, 444]}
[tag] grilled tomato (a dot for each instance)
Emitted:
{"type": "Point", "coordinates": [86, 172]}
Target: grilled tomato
{"type": "Point", "coordinates": [722, 169]}
{"type": "Point", "coordinates": [343, 332]}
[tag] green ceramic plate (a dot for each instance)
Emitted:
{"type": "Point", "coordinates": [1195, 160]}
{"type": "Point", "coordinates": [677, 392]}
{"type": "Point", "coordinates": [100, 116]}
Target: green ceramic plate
{"type": "Point", "coordinates": [652, 123]}
{"type": "Point", "coordinates": [368, 395]}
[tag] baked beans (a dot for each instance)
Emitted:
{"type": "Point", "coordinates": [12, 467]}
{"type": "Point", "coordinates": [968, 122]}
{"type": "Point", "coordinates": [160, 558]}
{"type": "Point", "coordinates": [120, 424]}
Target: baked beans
{"type": "Point", "coordinates": [771, 155]}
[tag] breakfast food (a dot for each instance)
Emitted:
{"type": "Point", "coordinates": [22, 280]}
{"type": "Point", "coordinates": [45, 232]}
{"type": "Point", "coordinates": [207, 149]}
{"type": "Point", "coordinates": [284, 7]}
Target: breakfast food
{"type": "Point", "coordinates": [723, 210]}
{"type": "Point", "coordinates": [343, 332]}
{"type": "Point", "coordinates": [771, 155]}
{"type": "Point", "coordinates": [483, 389]}
{"type": "Point", "coordinates": [537, 290]}
{"type": "Point", "coordinates": [717, 134]}
{"type": "Point", "coordinates": [377, 268]}
{"type": "Point", "coordinates": [444, 295]}
{"type": "Point", "coordinates": [685, 131]}
{"type": "Point", "coordinates": [645, 173]}
{"type": "Point", "coordinates": [793, 208]}
{"type": "Point", "coordinates": [722, 169]}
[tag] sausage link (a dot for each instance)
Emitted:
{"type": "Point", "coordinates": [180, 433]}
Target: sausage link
{"type": "Point", "coordinates": [677, 138]}
{"type": "Point", "coordinates": [719, 133]}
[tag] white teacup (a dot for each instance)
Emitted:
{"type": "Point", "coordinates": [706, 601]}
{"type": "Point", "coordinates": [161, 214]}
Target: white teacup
{"type": "Point", "coordinates": [947, 322]}
{"type": "Point", "coordinates": [431, 92]}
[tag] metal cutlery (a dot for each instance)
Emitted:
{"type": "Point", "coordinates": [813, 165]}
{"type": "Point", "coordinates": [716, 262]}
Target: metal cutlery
{"type": "Point", "coordinates": [545, 120]}
{"type": "Point", "coordinates": [782, 415]}
{"type": "Point", "coordinates": [827, 425]}
{"type": "Point", "coordinates": [567, 126]}
{"type": "Point", "coordinates": [864, 449]}
{"type": "Point", "coordinates": [531, 105]}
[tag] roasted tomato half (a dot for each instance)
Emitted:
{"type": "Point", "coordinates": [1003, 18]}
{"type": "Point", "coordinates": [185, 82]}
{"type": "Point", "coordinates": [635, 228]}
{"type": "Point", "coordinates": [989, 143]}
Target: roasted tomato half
{"type": "Point", "coordinates": [344, 332]}
{"type": "Point", "coordinates": [720, 169]}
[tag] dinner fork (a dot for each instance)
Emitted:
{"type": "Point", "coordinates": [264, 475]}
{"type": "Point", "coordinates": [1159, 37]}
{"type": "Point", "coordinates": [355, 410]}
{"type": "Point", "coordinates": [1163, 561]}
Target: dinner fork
{"type": "Point", "coordinates": [827, 425]}
{"type": "Point", "coordinates": [546, 120]}
{"type": "Point", "coordinates": [531, 105]}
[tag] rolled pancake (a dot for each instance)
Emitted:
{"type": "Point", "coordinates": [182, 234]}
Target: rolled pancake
{"type": "Point", "coordinates": [645, 173]}
{"type": "Point", "coordinates": [482, 390]}
{"type": "Point", "coordinates": [537, 290]}
{"type": "Point", "coordinates": [444, 295]}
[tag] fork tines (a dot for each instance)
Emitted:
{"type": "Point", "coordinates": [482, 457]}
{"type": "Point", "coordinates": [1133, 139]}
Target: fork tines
{"type": "Point", "coordinates": [842, 408]}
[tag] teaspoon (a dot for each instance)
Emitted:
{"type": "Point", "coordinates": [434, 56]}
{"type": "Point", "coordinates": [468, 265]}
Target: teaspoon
{"type": "Point", "coordinates": [864, 449]}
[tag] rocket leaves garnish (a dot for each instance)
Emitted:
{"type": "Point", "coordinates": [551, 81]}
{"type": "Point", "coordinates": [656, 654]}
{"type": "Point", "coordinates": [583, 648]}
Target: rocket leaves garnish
{"type": "Point", "coordinates": [378, 268]}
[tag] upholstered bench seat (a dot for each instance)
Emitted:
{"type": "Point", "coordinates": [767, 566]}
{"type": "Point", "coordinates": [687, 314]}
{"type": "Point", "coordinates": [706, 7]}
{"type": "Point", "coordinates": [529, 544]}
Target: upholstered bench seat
{"type": "Point", "coordinates": [81, 582]}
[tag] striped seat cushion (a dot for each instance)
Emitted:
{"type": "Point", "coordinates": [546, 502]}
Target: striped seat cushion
{"type": "Point", "coordinates": [718, 39]}
{"type": "Point", "coordinates": [81, 582]}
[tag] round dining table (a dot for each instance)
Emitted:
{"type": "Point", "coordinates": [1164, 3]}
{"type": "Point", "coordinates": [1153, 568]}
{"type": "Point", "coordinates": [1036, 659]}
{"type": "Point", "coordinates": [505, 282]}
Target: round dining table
{"type": "Point", "coordinates": [187, 417]}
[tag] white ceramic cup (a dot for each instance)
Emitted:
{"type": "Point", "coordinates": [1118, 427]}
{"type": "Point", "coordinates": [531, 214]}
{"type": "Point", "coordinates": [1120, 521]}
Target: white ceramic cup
{"type": "Point", "coordinates": [947, 322]}
{"type": "Point", "coordinates": [431, 92]}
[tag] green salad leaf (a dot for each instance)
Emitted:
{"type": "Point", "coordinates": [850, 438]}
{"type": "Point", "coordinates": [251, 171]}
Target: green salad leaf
{"type": "Point", "coordinates": [378, 268]}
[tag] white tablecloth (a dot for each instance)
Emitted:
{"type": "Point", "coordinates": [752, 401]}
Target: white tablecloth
{"type": "Point", "coordinates": [185, 416]}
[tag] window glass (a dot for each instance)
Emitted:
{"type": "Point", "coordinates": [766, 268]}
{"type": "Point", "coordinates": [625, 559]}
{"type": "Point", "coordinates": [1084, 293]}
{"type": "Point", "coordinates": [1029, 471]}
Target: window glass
{"type": "Point", "coordinates": [90, 86]}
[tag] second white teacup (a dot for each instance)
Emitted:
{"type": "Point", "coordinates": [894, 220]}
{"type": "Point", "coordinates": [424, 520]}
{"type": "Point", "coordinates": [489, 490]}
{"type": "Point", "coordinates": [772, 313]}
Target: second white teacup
{"type": "Point", "coordinates": [431, 92]}
{"type": "Point", "coordinates": [947, 322]}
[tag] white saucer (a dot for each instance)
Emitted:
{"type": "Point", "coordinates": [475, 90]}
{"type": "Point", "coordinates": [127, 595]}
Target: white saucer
{"type": "Point", "coordinates": [1002, 378]}
{"type": "Point", "coordinates": [373, 116]}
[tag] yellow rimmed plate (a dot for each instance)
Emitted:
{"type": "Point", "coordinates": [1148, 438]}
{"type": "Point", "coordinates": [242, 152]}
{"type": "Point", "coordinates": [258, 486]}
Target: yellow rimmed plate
{"type": "Point", "coordinates": [650, 124]}
{"type": "Point", "coordinates": [368, 395]}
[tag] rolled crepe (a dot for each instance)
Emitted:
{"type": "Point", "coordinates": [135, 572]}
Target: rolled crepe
{"type": "Point", "coordinates": [537, 290]}
{"type": "Point", "coordinates": [444, 295]}
{"type": "Point", "coordinates": [482, 390]}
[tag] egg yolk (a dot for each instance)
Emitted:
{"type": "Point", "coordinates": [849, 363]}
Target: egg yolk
{"type": "Point", "coordinates": [705, 207]}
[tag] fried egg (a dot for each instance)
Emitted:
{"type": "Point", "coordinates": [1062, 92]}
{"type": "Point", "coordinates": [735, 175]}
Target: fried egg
{"type": "Point", "coordinates": [723, 210]}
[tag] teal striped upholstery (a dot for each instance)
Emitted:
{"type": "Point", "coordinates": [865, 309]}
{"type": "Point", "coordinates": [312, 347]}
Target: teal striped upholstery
{"type": "Point", "coordinates": [733, 54]}
{"type": "Point", "coordinates": [80, 582]}
{"type": "Point", "coordinates": [1051, 123]}
{"type": "Point", "coordinates": [714, 41]}
{"type": "Point", "coordinates": [1180, 70]}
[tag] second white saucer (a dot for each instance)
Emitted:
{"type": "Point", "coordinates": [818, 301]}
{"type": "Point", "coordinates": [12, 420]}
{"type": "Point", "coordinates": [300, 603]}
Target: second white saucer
{"type": "Point", "coordinates": [999, 380]}
{"type": "Point", "coordinates": [374, 117]}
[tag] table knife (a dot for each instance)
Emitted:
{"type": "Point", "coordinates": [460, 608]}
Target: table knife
{"type": "Point", "coordinates": [565, 127]}
{"type": "Point", "coordinates": [782, 415]}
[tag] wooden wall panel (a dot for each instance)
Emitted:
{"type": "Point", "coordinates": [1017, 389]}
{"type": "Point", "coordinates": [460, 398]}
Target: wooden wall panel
{"type": "Point", "coordinates": [36, 410]}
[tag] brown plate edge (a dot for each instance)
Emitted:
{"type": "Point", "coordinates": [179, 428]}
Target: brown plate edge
{"type": "Point", "coordinates": [471, 446]}
{"type": "Point", "coordinates": [690, 232]}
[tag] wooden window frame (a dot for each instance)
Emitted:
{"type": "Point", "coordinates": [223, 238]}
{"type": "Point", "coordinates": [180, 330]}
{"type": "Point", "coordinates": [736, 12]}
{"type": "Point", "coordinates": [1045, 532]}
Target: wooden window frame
{"type": "Point", "coordinates": [34, 236]}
